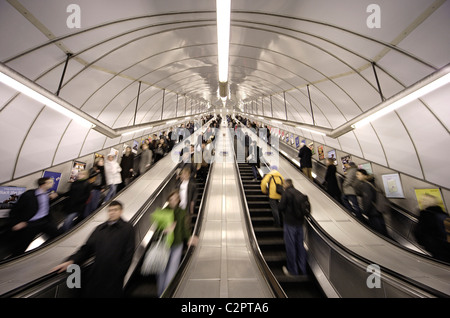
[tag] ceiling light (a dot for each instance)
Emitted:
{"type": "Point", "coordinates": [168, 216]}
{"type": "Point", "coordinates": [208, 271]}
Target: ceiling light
{"type": "Point", "coordinates": [223, 8]}
{"type": "Point", "coordinates": [312, 131]}
{"type": "Point", "coordinates": [39, 97]}
{"type": "Point", "coordinates": [417, 93]}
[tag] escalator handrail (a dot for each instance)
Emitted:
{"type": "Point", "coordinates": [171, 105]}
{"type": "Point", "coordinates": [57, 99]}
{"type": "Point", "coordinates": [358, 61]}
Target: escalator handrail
{"type": "Point", "coordinates": [363, 262]}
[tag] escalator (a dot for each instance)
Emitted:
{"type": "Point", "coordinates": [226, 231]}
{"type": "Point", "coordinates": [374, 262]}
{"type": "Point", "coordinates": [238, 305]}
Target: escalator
{"type": "Point", "coordinates": [271, 242]}
{"type": "Point", "coordinates": [140, 286]}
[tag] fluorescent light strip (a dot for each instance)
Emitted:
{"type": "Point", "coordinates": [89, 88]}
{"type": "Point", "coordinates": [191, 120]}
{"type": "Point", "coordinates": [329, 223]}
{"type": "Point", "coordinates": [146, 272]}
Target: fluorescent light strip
{"type": "Point", "coordinates": [11, 82]}
{"type": "Point", "coordinates": [223, 8]}
{"type": "Point", "coordinates": [405, 100]}
{"type": "Point", "coordinates": [312, 131]}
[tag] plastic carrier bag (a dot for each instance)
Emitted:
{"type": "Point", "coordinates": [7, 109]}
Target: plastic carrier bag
{"type": "Point", "coordinates": [157, 257]}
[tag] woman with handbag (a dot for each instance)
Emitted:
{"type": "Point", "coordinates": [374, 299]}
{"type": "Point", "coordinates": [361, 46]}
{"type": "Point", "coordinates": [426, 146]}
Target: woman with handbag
{"type": "Point", "coordinates": [171, 221]}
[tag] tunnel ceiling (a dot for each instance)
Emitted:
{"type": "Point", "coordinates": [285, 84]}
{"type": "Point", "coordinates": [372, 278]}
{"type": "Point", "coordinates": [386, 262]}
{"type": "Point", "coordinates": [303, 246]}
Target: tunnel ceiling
{"type": "Point", "coordinates": [313, 61]}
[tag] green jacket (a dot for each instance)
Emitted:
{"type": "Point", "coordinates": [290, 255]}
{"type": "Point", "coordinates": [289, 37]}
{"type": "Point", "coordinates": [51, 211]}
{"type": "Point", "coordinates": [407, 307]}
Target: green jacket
{"type": "Point", "coordinates": [165, 217]}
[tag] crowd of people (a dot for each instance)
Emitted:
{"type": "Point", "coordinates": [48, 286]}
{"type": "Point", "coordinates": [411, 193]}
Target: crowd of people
{"type": "Point", "coordinates": [93, 187]}
{"type": "Point", "coordinates": [113, 241]}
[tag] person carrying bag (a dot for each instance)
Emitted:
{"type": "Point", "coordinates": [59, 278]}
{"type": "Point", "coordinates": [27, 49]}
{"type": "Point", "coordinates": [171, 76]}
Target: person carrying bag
{"type": "Point", "coordinates": [158, 254]}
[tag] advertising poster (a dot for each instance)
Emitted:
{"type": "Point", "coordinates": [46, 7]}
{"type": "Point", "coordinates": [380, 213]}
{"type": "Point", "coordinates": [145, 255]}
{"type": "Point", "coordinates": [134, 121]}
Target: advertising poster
{"type": "Point", "coordinates": [320, 151]}
{"type": "Point", "coordinates": [8, 197]}
{"type": "Point", "coordinates": [287, 138]}
{"type": "Point", "coordinates": [332, 154]}
{"type": "Point", "coordinates": [56, 176]}
{"type": "Point", "coordinates": [297, 142]}
{"type": "Point", "coordinates": [76, 168]}
{"type": "Point", "coordinates": [135, 147]}
{"type": "Point", "coordinates": [436, 192]}
{"type": "Point", "coordinates": [345, 160]}
{"type": "Point", "coordinates": [392, 185]}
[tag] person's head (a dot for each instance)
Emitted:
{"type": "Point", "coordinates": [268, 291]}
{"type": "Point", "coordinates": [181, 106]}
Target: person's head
{"type": "Point", "coordinates": [83, 175]}
{"type": "Point", "coordinates": [174, 199]}
{"type": "Point", "coordinates": [110, 157]}
{"type": "Point", "coordinates": [185, 174]}
{"type": "Point", "coordinates": [361, 174]}
{"type": "Point", "coordinates": [273, 167]}
{"type": "Point", "coordinates": [45, 183]}
{"type": "Point", "coordinates": [115, 210]}
{"type": "Point", "coordinates": [288, 183]}
{"type": "Point", "coordinates": [145, 146]}
{"type": "Point", "coordinates": [99, 161]}
{"type": "Point", "coordinates": [330, 161]}
{"type": "Point", "coordinates": [128, 150]}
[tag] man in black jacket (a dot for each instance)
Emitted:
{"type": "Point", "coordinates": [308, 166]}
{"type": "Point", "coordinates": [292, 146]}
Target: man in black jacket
{"type": "Point", "coordinates": [293, 215]}
{"type": "Point", "coordinates": [305, 155]}
{"type": "Point", "coordinates": [30, 216]}
{"type": "Point", "coordinates": [112, 244]}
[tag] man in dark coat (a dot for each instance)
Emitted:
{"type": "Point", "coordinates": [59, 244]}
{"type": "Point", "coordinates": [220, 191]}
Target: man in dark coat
{"type": "Point", "coordinates": [112, 244]}
{"type": "Point", "coordinates": [330, 182]}
{"type": "Point", "coordinates": [430, 230]}
{"type": "Point", "coordinates": [30, 216]}
{"type": "Point", "coordinates": [305, 155]}
{"type": "Point", "coordinates": [127, 165]}
{"type": "Point", "coordinates": [293, 216]}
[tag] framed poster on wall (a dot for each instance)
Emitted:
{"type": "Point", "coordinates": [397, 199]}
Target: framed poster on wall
{"type": "Point", "coordinates": [435, 192]}
{"type": "Point", "coordinates": [392, 185]}
{"type": "Point", "coordinates": [345, 160]}
{"type": "Point", "coordinates": [56, 176]}
{"type": "Point", "coordinates": [8, 197]}
{"type": "Point", "coordinates": [297, 142]}
{"type": "Point", "coordinates": [76, 168]}
{"type": "Point", "coordinates": [332, 154]}
{"type": "Point", "coordinates": [320, 151]}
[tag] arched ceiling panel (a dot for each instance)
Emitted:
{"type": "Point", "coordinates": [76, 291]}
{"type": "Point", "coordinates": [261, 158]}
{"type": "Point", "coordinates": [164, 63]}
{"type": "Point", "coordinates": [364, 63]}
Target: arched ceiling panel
{"type": "Point", "coordinates": [438, 102]}
{"type": "Point", "coordinates": [41, 142]}
{"type": "Point", "coordinates": [69, 146]}
{"type": "Point", "coordinates": [14, 23]}
{"type": "Point", "coordinates": [399, 149]}
{"type": "Point", "coordinates": [423, 127]}
{"type": "Point", "coordinates": [16, 119]}
{"type": "Point", "coordinates": [78, 90]}
{"type": "Point", "coordinates": [26, 65]}
{"type": "Point", "coordinates": [432, 33]}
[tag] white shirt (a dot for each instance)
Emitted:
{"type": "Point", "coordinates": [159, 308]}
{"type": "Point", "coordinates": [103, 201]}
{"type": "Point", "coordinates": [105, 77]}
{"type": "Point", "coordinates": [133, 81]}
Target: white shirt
{"type": "Point", "coordinates": [184, 194]}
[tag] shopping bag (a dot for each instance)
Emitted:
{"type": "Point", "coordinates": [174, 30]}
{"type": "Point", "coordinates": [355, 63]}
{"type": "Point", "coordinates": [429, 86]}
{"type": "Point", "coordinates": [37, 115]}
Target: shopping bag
{"type": "Point", "coordinates": [157, 257]}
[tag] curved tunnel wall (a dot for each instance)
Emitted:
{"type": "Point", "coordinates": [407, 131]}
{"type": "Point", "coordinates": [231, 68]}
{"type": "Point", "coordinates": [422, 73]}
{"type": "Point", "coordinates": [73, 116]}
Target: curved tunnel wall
{"type": "Point", "coordinates": [276, 50]}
